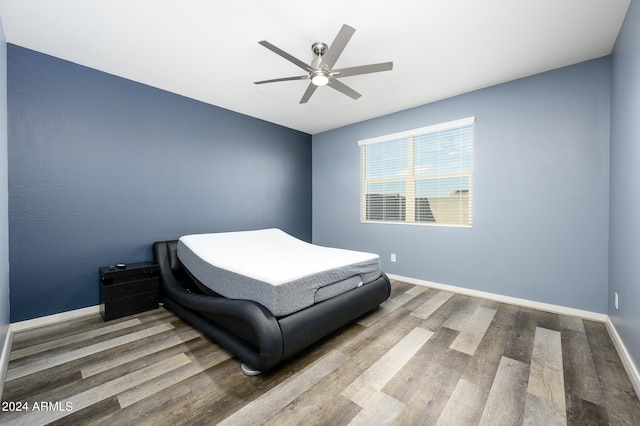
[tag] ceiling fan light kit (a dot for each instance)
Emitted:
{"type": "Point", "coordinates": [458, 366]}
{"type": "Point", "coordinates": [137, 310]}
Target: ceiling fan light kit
{"type": "Point", "coordinates": [320, 71]}
{"type": "Point", "coordinates": [319, 78]}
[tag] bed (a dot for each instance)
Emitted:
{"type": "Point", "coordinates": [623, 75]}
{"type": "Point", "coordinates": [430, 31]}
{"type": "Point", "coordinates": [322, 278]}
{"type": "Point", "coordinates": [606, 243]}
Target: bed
{"type": "Point", "coordinates": [264, 295]}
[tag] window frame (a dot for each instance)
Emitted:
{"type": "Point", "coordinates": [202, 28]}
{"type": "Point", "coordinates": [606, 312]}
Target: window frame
{"type": "Point", "coordinates": [408, 216]}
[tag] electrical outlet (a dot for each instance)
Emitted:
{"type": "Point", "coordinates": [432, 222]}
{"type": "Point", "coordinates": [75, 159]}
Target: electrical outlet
{"type": "Point", "coordinates": [615, 299]}
{"type": "Point", "coordinates": [393, 257]}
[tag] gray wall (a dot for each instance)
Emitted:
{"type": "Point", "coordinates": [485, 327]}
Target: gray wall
{"type": "Point", "coordinates": [101, 167]}
{"type": "Point", "coordinates": [4, 196]}
{"type": "Point", "coordinates": [540, 218]}
{"type": "Point", "coordinates": [624, 274]}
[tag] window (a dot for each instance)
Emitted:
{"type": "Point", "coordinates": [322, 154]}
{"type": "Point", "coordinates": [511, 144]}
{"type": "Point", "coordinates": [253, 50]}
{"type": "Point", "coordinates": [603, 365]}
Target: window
{"type": "Point", "coordinates": [422, 176]}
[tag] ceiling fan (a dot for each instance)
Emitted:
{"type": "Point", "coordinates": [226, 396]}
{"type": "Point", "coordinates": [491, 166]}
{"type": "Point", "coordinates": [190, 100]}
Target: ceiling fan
{"type": "Point", "coordinates": [321, 71]}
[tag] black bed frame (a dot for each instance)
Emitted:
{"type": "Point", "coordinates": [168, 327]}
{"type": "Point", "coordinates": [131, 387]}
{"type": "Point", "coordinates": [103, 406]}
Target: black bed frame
{"type": "Point", "coordinates": [247, 329]}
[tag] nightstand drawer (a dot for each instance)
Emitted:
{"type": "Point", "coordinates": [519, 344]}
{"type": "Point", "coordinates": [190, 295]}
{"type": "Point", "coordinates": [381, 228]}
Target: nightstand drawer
{"type": "Point", "coordinates": [122, 307]}
{"type": "Point", "coordinates": [115, 291]}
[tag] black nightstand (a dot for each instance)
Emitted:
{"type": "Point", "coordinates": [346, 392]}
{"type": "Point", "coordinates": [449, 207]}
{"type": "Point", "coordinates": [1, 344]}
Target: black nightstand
{"type": "Point", "coordinates": [128, 289]}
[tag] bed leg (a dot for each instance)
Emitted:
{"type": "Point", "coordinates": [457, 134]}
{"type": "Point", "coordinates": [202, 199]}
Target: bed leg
{"type": "Point", "coordinates": [249, 371]}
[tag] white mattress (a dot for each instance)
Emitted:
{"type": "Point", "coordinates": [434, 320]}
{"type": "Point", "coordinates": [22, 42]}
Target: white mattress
{"type": "Point", "coordinates": [281, 272]}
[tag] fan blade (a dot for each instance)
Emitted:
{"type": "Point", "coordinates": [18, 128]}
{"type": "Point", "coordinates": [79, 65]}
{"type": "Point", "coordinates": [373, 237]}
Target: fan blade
{"type": "Point", "coordinates": [364, 69]}
{"type": "Point", "coordinates": [307, 94]}
{"type": "Point", "coordinates": [300, 77]}
{"type": "Point", "coordinates": [343, 88]}
{"type": "Point", "coordinates": [338, 45]}
{"type": "Point", "coordinates": [285, 55]}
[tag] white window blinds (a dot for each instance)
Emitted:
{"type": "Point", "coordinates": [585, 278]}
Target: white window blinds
{"type": "Point", "coordinates": [422, 176]}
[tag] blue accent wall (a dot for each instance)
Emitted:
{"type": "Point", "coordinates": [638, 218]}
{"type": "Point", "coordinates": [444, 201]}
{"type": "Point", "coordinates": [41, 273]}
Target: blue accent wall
{"type": "Point", "coordinates": [624, 274]}
{"type": "Point", "coordinates": [541, 191]}
{"type": "Point", "coordinates": [100, 167]}
{"type": "Point", "coordinates": [4, 197]}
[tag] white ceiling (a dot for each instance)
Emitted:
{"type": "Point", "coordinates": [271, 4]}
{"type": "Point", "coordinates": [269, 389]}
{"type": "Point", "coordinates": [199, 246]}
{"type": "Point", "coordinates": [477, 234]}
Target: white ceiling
{"type": "Point", "coordinates": [208, 50]}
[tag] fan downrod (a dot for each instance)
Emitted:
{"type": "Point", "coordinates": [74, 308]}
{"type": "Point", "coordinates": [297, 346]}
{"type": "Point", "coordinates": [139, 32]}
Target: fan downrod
{"type": "Point", "coordinates": [319, 48]}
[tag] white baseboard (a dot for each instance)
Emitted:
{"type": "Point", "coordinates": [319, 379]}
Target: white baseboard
{"type": "Point", "coordinates": [55, 318]}
{"type": "Point", "coordinates": [625, 357]}
{"type": "Point", "coordinates": [547, 307]}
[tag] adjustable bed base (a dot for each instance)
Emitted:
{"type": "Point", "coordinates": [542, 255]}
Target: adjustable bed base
{"type": "Point", "coordinates": [246, 328]}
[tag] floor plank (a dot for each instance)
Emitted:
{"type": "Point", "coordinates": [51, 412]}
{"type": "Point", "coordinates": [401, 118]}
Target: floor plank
{"type": "Point", "coordinates": [377, 376]}
{"type": "Point", "coordinates": [545, 394]}
{"type": "Point", "coordinates": [63, 341]}
{"type": "Point", "coordinates": [100, 393]}
{"type": "Point", "coordinates": [623, 406]}
{"type": "Point", "coordinates": [508, 392]}
{"type": "Point", "coordinates": [274, 400]}
{"type": "Point", "coordinates": [469, 338]}
{"type": "Point", "coordinates": [464, 406]}
{"type": "Point", "coordinates": [484, 363]}
{"type": "Point", "coordinates": [432, 305]}
{"type": "Point", "coordinates": [460, 318]}
{"type": "Point", "coordinates": [582, 381]}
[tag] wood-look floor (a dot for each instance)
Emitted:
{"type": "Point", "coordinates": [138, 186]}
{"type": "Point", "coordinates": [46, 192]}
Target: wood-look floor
{"type": "Point", "coordinates": [425, 357]}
